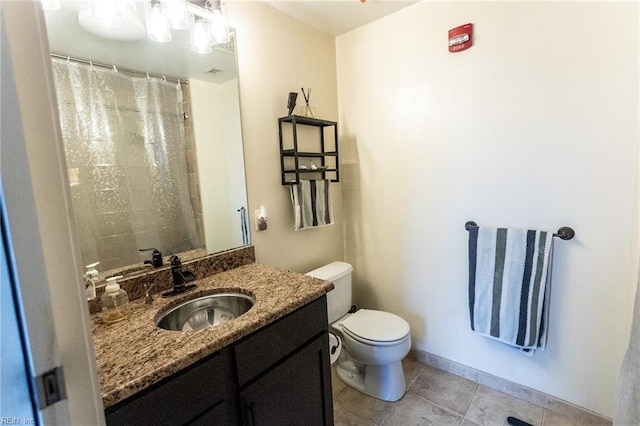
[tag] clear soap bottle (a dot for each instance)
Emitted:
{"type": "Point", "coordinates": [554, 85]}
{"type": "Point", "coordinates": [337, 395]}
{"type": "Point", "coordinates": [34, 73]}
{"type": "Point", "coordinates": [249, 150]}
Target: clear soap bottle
{"type": "Point", "coordinates": [115, 302]}
{"type": "Point", "coordinates": [90, 276]}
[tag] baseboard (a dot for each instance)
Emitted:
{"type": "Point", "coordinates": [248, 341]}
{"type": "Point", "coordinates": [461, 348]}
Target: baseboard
{"type": "Point", "coordinates": [522, 392]}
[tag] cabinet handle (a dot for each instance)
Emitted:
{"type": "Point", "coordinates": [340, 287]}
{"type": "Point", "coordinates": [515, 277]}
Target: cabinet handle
{"type": "Point", "coordinates": [249, 413]}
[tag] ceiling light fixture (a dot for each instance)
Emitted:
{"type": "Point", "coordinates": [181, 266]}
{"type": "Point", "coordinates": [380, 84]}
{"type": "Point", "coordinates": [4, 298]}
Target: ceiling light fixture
{"type": "Point", "coordinates": [207, 24]}
{"type": "Point", "coordinates": [107, 13]}
{"type": "Point", "coordinates": [177, 13]}
{"type": "Point", "coordinates": [132, 30]}
{"type": "Point", "coordinates": [199, 31]}
{"type": "Point", "coordinates": [206, 19]}
{"type": "Point", "coordinates": [158, 28]}
{"type": "Point", "coordinates": [218, 27]}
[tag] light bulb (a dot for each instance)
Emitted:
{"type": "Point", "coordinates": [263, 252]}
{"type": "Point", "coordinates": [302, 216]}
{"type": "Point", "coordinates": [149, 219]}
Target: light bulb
{"type": "Point", "coordinates": [177, 13]}
{"type": "Point", "coordinates": [218, 27]}
{"type": "Point", "coordinates": [200, 41]}
{"type": "Point", "coordinates": [107, 13]}
{"type": "Point", "coordinates": [157, 23]}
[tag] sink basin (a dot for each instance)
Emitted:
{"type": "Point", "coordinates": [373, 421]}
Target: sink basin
{"type": "Point", "coordinates": [205, 311]}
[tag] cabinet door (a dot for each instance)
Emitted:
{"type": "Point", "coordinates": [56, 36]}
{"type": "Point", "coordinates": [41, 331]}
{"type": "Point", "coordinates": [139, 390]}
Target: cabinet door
{"type": "Point", "coordinates": [224, 413]}
{"type": "Point", "coordinates": [195, 395]}
{"type": "Point", "coordinates": [295, 392]}
{"type": "Point", "coordinates": [266, 348]}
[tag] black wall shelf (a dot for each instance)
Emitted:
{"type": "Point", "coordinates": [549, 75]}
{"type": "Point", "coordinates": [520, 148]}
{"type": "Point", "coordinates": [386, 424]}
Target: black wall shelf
{"type": "Point", "coordinates": [292, 159]}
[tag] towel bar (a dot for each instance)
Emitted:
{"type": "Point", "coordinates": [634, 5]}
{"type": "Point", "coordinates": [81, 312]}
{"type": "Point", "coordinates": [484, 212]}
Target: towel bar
{"type": "Point", "coordinates": [564, 233]}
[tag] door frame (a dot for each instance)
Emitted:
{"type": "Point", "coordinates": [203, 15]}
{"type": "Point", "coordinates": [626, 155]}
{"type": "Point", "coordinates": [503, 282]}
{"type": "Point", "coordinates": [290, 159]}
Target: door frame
{"type": "Point", "coordinates": [37, 199]}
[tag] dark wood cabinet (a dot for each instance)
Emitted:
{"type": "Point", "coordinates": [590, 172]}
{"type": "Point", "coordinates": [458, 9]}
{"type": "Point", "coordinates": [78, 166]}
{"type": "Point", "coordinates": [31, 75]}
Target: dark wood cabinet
{"type": "Point", "coordinates": [201, 389]}
{"type": "Point", "coordinates": [284, 371]}
{"type": "Point", "coordinates": [278, 375]}
{"type": "Point", "coordinates": [294, 392]}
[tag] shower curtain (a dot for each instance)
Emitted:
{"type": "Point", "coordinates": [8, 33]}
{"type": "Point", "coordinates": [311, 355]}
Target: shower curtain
{"type": "Point", "coordinates": [124, 143]}
{"type": "Point", "coordinates": [627, 411]}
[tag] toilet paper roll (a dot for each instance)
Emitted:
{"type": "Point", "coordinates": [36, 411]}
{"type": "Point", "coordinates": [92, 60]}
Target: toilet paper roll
{"type": "Point", "coordinates": [335, 346]}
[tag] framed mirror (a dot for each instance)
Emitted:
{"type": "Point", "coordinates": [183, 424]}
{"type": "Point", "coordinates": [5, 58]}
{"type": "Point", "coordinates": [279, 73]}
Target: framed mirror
{"type": "Point", "coordinates": [152, 136]}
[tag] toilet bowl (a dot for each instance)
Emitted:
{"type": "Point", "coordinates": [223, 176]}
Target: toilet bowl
{"type": "Point", "coordinates": [373, 342]}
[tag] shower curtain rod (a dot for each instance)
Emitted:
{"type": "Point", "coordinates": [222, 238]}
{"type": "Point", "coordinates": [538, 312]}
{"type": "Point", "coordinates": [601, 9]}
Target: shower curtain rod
{"type": "Point", "coordinates": [118, 69]}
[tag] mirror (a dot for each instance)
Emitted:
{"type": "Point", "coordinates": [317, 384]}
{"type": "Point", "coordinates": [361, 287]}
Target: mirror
{"type": "Point", "coordinates": [117, 194]}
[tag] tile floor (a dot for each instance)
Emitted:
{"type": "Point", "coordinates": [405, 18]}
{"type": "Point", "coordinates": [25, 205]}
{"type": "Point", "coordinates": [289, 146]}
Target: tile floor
{"type": "Point", "coordinates": [435, 397]}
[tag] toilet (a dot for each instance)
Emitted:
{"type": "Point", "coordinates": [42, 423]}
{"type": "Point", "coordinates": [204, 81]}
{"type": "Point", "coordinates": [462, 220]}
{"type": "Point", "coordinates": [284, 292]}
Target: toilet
{"type": "Point", "coordinates": [373, 343]}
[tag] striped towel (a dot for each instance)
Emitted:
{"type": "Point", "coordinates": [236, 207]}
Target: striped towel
{"type": "Point", "coordinates": [311, 204]}
{"type": "Point", "coordinates": [509, 283]}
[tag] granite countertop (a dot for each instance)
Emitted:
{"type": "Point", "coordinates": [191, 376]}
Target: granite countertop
{"type": "Point", "coordinates": [133, 354]}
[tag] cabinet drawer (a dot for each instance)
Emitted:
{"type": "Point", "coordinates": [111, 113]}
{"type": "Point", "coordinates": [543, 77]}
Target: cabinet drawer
{"type": "Point", "coordinates": [268, 345]}
{"type": "Point", "coordinates": [179, 398]}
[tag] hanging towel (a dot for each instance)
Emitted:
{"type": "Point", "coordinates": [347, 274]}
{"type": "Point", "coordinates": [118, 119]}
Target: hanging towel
{"type": "Point", "coordinates": [311, 204]}
{"type": "Point", "coordinates": [509, 284]}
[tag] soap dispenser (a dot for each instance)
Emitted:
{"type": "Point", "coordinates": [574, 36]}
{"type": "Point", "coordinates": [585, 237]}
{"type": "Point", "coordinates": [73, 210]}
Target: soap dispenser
{"type": "Point", "coordinates": [115, 302]}
{"type": "Point", "coordinates": [90, 276]}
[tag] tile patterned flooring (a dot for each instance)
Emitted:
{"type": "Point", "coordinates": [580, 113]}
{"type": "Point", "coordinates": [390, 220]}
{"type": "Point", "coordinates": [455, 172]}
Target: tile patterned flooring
{"type": "Point", "coordinates": [435, 397]}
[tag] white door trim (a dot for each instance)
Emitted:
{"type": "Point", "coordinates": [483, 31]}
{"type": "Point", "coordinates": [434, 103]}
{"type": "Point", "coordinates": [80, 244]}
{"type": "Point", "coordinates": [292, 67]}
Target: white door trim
{"type": "Point", "coordinates": [37, 194]}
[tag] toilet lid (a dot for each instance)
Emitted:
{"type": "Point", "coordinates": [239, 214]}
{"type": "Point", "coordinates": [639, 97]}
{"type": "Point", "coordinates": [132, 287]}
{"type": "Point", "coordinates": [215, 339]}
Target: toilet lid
{"type": "Point", "coordinates": [376, 326]}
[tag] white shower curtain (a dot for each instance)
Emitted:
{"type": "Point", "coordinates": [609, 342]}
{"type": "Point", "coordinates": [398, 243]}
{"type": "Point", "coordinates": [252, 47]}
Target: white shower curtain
{"type": "Point", "coordinates": [124, 141]}
{"type": "Point", "coordinates": [628, 401]}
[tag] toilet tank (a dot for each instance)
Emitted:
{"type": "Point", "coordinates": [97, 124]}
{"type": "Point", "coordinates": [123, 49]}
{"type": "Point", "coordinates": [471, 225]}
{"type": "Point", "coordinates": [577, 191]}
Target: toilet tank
{"type": "Point", "coordinates": [338, 299]}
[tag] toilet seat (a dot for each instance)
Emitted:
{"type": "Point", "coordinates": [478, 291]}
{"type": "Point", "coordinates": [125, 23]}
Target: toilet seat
{"type": "Point", "coordinates": [377, 328]}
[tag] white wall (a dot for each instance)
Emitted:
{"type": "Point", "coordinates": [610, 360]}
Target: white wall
{"type": "Point", "coordinates": [535, 126]}
{"type": "Point", "coordinates": [218, 141]}
{"type": "Point", "coordinates": [277, 55]}
{"type": "Point", "coordinates": [235, 157]}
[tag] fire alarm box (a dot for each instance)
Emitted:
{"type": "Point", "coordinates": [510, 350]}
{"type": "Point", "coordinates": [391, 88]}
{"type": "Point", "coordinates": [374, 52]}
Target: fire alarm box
{"type": "Point", "coordinates": [461, 38]}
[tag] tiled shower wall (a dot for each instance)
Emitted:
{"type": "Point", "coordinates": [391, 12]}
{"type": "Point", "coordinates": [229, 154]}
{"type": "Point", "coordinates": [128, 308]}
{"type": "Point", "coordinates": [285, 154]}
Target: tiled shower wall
{"type": "Point", "coordinates": [192, 163]}
{"type": "Point", "coordinates": [110, 159]}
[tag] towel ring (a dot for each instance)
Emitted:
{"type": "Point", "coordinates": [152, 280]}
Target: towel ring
{"type": "Point", "coordinates": [564, 233]}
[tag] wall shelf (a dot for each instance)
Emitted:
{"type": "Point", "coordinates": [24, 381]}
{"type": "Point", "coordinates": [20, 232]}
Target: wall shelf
{"type": "Point", "coordinates": [299, 148]}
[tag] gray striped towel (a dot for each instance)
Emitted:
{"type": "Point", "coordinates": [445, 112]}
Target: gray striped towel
{"type": "Point", "coordinates": [311, 204]}
{"type": "Point", "coordinates": [509, 283]}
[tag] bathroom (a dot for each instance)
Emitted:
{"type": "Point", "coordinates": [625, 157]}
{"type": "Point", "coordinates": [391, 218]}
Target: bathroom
{"type": "Point", "coordinates": [535, 126]}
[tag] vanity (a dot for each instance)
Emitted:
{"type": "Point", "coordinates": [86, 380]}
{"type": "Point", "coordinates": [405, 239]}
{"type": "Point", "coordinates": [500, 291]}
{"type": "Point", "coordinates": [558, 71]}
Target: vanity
{"type": "Point", "coordinates": [269, 366]}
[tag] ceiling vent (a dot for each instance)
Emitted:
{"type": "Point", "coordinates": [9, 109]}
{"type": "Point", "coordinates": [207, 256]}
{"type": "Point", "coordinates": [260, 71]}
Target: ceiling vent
{"type": "Point", "coordinates": [214, 71]}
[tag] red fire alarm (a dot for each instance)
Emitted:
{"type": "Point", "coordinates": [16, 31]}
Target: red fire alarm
{"type": "Point", "coordinates": [460, 38]}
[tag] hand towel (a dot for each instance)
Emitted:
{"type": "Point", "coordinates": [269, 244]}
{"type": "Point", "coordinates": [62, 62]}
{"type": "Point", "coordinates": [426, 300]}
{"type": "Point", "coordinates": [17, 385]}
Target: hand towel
{"type": "Point", "coordinates": [311, 204]}
{"type": "Point", "coordinates": [509, 284]}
